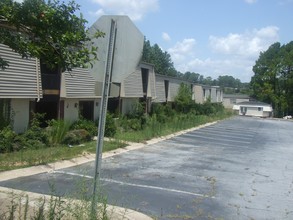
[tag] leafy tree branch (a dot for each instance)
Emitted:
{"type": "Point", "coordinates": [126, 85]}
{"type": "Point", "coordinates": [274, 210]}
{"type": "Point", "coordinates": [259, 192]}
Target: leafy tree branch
{"type": "Point", "coordinates": [50, 30]}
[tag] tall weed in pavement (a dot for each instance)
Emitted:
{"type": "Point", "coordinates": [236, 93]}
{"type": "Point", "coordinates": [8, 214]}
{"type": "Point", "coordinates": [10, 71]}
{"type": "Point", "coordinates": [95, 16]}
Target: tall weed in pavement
{"type": "Point", "coordinates": [21, 207]}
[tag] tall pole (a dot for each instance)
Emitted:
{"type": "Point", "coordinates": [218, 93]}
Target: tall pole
{"type": "Point", "coordinates": [102, 117]}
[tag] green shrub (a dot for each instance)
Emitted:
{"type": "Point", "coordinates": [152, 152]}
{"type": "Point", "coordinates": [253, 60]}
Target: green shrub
{"type": "Point", "coordinates": [7, 136]}
{"type": "Point", "coordinates": [57, 130]}
{"type": "Point", "coordinates": [128, 124]}
{"type": "Point", "coordinates": [35, 137]}
{"type": "Point", "coordinates": [76, 136]}
{"type": "Point", "coordinates": [110, 127]}
{"type": "Point", "coordinates": [87, 125]}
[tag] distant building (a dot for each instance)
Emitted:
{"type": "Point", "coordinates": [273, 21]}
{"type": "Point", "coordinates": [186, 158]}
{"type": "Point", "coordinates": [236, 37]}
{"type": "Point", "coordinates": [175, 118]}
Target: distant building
{"type": "Point", "coordinates": [203, 93]}
{"type": "Point", "coordinates": [253, 108]}
{"type": "Point", "coordinates": [229, 100]}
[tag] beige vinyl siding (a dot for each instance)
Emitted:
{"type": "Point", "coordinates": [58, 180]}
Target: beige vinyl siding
{"type": "Point", "coordinates": [213, 95]}
{"type": "Point", "coordinates": [174, 85]}
{"type": "Point", "coordinates": [198, 94]}
{"type": "Point", "coordinates": [78, 84]}
{"type": "Point", "coordinates": [133, 85]}
{"type": "Point", "coordinates": [152, 86]}
{"type": "Point", "coordinates": [21, 79]}
{"type": "Point", "coordinates": [160, 89]}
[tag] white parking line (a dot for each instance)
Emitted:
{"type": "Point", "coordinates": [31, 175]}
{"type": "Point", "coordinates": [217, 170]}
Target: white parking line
{"type": "Point", "coordinates": [218, 134]}
{"type": "Point", "coordinates": [230, 131]}
{"type": "Point", "coordinates": [218, 139]}
{"type": "Point", "coordinates": [137, 185]}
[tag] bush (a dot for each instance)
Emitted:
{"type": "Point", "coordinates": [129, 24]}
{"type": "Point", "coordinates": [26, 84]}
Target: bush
{"type": "Point", "coordinates": [87, 125]}
{"type": "Point", "coordinates": [110, 127]}
{"type": "Point", "coordinates": [33, 138]}
{"type": "Point", "coordinates": [76, 136]}
{"type": "Point", "coordinates": [162, 112]}
{"type": "Point", "coordinates": [57, 130]}
{"type": "Point", "coordinates": [7, 136]}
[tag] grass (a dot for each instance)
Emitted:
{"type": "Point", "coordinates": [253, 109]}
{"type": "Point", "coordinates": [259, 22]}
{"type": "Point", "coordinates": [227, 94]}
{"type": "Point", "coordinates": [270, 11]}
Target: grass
{"type": "Point", "coordinates": [33, 157]}
{"type": "Point", "coordinates": [178, 123]}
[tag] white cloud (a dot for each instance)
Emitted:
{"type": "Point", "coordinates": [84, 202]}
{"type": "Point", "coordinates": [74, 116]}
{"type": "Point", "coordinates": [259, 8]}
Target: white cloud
{"type": "Point", "coordinates": [166, 36]}
{"type": "Point", "coordinates": [135, 9]}
{"type": "Point", "coordinates": [182, 49]}
{"type": "Point", "coordinates": [248, 44]}
{"type": "Point", "coordinates": [250, 1]}
{"type": "Point", "coordinates": [97, 13]}
{"type": "Point", "coordinates": [234, 54]}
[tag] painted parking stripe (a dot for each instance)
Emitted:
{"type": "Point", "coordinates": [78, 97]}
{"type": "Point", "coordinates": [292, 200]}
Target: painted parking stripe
{"type": "Point", "coordinates": [136, 185]}
{"type": "Point", "coordinates": [219, 134]}
{"type": "Point", "coordinates": [235, 129]}
{"type": "Point", "coordinates": [232, 131]}
{"type": "Point", "coordinates": [206, 142]}
{"type": "Point", "coordinates": [218, 139]}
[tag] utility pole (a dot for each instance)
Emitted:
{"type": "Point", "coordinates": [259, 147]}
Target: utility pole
{"type": "Point", "coordinates": [102, 117]}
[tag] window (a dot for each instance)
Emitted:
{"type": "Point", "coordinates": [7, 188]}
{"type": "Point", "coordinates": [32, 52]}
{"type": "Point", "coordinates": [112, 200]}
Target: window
{"type": "Point", "coordinates": [259, 109]}
{"type": "Point", "coordinates": [166, 83]}
{"type": "Point", "coordinates": [145, 80]}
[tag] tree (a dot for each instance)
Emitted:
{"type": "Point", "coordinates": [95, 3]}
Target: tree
{"type": "Point", "coordinates": [160, 59]}
{"type": "Point", "coordinates": [48, 30]}
{"type": "Point", "coordinates": [183, 100]}
{"type": "Point", "coordinates": [273, 78]}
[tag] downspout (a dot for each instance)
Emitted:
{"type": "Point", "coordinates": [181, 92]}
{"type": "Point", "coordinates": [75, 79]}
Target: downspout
{"type": "Point", "coordinates": [38, 80]}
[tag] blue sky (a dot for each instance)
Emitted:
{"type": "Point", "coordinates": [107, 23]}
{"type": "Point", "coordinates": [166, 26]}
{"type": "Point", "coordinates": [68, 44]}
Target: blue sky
{"type": "Point", "coordinates": [210, 37]}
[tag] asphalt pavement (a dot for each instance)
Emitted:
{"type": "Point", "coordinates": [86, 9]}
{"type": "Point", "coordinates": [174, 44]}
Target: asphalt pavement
{"type": "Point", "coordinates": [240, 168]}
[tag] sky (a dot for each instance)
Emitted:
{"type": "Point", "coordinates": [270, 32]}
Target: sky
{"type": "Point", "coordinates": [209, 37]}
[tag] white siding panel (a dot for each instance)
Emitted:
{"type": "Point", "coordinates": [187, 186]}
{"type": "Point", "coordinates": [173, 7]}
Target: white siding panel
{"type": "Point", "coordinates": [160, 89]}
{"type": "Point", "coordinates": [213, 94]}
{"type": "Point", "coordinates": [21, 79]}
{"type": "Point", "coordinates": [133, 85]}
{"type": "Point", "coordinates": [174, 87]}
{"type": "Point", "coordinates": [152, 90]}
{"type": "Point", "coordinates": [79, 83]}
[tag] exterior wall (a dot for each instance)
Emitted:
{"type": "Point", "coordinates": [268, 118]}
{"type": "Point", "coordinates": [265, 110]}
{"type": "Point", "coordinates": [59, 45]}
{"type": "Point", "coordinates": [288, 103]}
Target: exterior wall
{"type": "Point", "coordinates": [127, 104]}
{"type": "Point", "coordinates": [77, 83]}
{"type": "Point", "coordinates": [219, 94]}
{"type": "Point", "coordinates": [21, 79]}
{"type": "Point", "coordinates": [174, 85]}
{"type": "Point", "coordinates": [213, 94]}
{"type": "Point", "coordinates": [253, 110]}
{"type": "Point", "coordinates": [20, 114]}
{"type": "Point", "coordinates": [128, 47]}
{"type": "Point", "coordinates": [160, 89]}
{"type": "Point", "coordinates": [132, 85]}
{"type": "Point", "coordinates": [71, 109]}
{"type": "Point", "coordinates": [198, 94]}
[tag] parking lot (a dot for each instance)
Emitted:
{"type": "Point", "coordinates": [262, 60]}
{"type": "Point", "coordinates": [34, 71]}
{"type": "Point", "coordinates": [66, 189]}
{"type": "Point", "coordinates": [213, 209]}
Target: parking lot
{"type": "Point", "coordinates": [240, 168]}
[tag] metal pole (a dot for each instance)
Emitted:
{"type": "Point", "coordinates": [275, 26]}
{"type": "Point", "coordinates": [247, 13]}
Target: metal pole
{"type": "Point", "coordinates": [102, 118]}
